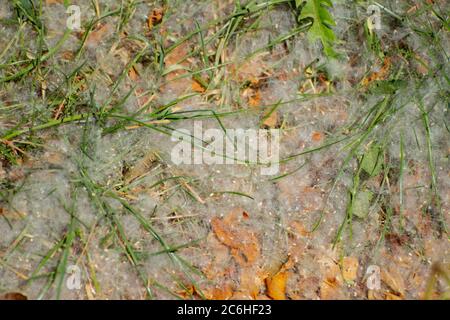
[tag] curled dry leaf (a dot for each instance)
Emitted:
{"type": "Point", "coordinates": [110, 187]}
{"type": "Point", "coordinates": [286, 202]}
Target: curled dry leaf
{"type": "Point", "coordinates": [13, 296]}
{"type": "Point", "coordinates": [245, 249]}
{"type": "Point", "coordinates": [155, 17]}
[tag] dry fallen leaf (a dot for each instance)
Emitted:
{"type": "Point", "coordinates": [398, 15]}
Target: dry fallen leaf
{"type": "Point", "coordinates": [244, 247]}
{"type": "Point", "coordinates": [223, 292]}
{"type": "Point", "coordinates": [391, 296]}
{"type": "Point", "coordinates": [249, 69]}
{"type": "Point", "coordinates": [254, 97]}
{"type": "Point", "coordinates": [276, 285]}
{"type": "Point", "coordinates": [272, 120]}
{"type": "Point", "coordinates": [378, 75]}
{"type": "Point", "coordinates": [175, 67]}
{"type": "Point", "coordinates": [300, 229]}
{"type": "Point", "coordinates": [317, 136]}
{"type": "Point", "coordinates": [330, 287]}
{"type": "Point", "coordinates": [251, 282]}
{"type": "Point", "coordinates": [374, 295]}
{"type": "Point", "coordinates": [13, 215]}
{"type": "Point", "coordinates": [155, 17]}
{"type": "Point", "coordinates": [350, 268]}
{"type": "Point", "coordinates": [13, 296]}
{"type": "Point", "coordinates": [133, 74]}
{"type": "Point", "coordinates": [197, 87]}
{"type": "Point", "coordinates": [393, 279]}
{"type": "Point", "coordinates": [98, 34]}
{"type": "Point", "coordinates": [243, 243]}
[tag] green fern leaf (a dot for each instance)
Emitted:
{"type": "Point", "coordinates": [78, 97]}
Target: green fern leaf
{"type": "Point", "coordinates": [322, 21]}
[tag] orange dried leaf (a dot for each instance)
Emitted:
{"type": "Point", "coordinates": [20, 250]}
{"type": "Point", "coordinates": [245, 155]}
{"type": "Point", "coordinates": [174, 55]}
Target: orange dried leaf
{"type": "Point", "coordinates": [317, 136]}
{"type": "Point", "coordinates": [197, 87]}
{"type": "Point", "coordinates": [254, 98]}
{"type": "Point", "coordinates": [379, 75]}
{"type": "Point", "coordinates": [350, 268]}
{"type": "Point", "coordinates": [272, 120]}
{"type": "Point", "coordinates": [224, 292]}
{"type": "Point", "coordinates": [251, 282]}
{"type": "Point", "coordinates": [133, 74]}
{"type": "Point", "coordinates": [155, 17]}
{"type": "Point", "coordinates": [300, 229]}
{"type": "Point", "coordinates": [243, 242]}
{"type": "Point", "coordinates": [276, 286]}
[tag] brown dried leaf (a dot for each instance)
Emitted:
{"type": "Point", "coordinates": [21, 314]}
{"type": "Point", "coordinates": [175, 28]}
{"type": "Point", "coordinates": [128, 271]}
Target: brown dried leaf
{"type": "Point", "coordinates": [155, 17]}
{"type": "Point", "coordinates": [249, 69]}
{"type": "Point", "coordinates": [13, 296]}
{"type": "Point", "coordinates": [243, 243]}
{"type": "Point", "coordinates": [174, 82]}
{"type": "Point", "coordinates": [379, 75]}
{"type": "Point", "coordinates": [97, 35]}
{"type": "Point", "coordinates": [133, 74]}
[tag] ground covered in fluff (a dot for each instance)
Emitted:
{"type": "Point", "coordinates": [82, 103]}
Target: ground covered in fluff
{"type": "Point", "coordinates": [92, 207]}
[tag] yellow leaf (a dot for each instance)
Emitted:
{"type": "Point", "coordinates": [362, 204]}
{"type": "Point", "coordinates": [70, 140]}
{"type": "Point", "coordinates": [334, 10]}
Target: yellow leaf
{"type": "Point", "coordinates": [276, 286]}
